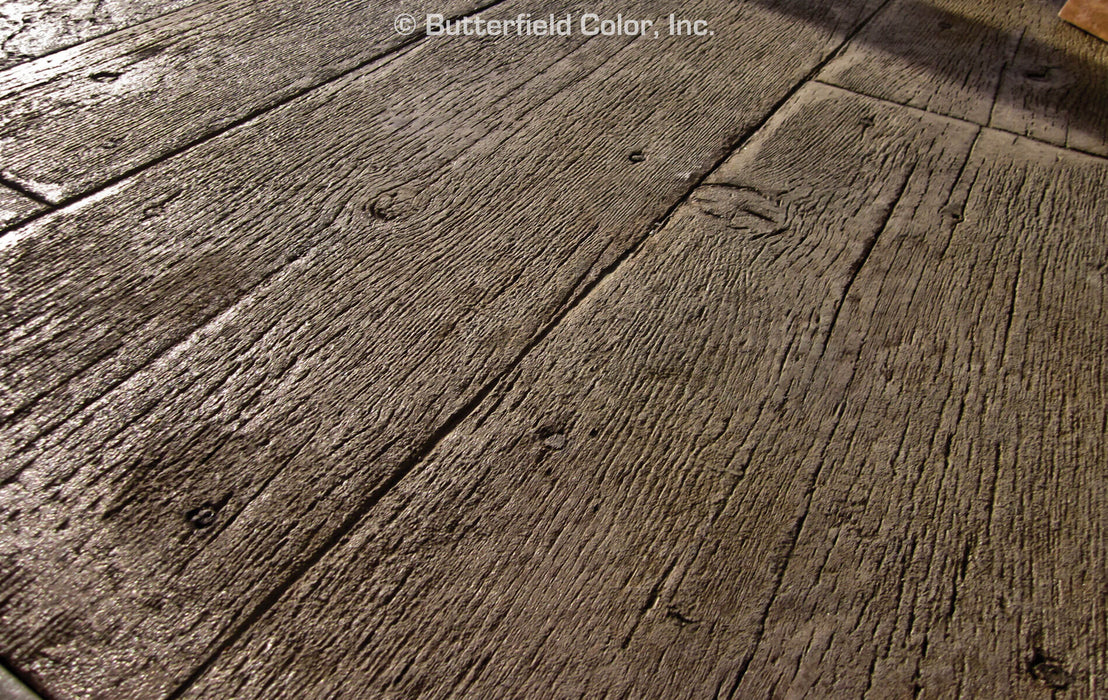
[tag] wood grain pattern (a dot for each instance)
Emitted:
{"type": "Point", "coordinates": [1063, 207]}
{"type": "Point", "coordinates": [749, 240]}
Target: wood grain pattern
{"type": "Point", "coordinates": [1012, 65]}
{"type": "Point", "coordinates": [1089, 15]}
{"type": "Point", "coordinates": [177, 452]}
{"type": "Point", "coordinates": [958, 544]}
{"type": "Point", "coordinates": [33, 28]}
{"type": "Point", "coordinates": [76, 120]}
{"type": "Point", "coordinates": [14, 207]}
{"type": "Point", "coordinates": [749, 464]}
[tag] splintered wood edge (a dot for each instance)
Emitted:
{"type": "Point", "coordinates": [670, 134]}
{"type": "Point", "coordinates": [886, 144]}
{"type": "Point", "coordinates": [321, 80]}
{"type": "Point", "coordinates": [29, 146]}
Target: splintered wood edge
{"type": "Point", "coordinates": [1088, 15]}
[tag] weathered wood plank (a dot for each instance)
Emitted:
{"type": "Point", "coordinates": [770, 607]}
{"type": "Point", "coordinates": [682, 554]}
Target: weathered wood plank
{"type": "Point", "coordinates": [78, 119]}
{"type": "Point", "coordinates": [14, 207]}
{"type": "Point", "coordinates": [33, 28]}
{"type": "Point", "coordinates": [617, 518]}
{"type": "Point", "coordinates": [957, 543]}
{"type": "Point", "coordinates": [401, 236]}
{"type": "Point", "coordinates": [1010, 64]}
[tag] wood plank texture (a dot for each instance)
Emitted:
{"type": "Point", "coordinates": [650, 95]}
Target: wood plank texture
{"type": "Point", "coordinates": [1010, 64]}
{"type": "Point", "coordinates": [1089, 15]}
{"type": "Point", "coordinates": [836, 430]}
{"type": "Point", "coordinates": [14, 207]}
{"type": "Point", "coordinates": [78, 119]}
{"type": "Point", "coordinates": [177, 452]}
{"type": "Point", "coordinates": [33, 28]}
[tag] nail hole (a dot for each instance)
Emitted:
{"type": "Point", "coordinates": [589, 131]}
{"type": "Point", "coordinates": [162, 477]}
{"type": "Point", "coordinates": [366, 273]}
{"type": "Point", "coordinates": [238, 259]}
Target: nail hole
{"type": "Point", "coordinates": [637, 157]}
{"type": "Point", "coordinates": [202, 516]}
{"type": "Point", "coordinates": [945, 25]}
{"type": "Point", "coordinates": [106, 76]}
{"type": "Point", "coordinates": [1037, 73]}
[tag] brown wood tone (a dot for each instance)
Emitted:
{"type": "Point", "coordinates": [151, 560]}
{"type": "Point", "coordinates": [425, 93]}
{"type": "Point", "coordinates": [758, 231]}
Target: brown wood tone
{"type": "Point", "coordinates": [33, 28]}
{"type": "Point", "coordinates": [14, 207]}
{"type": "Point", "coordinates": [836, 430]}
{"type": "Point", "coordinates": [1090, 15]}
{"type": "Point", "coordinates": [219, 365]}
{"type": "Point", "coordinates": [1009, 64]}
{"type": "Point", "coordinates": [76, 120]}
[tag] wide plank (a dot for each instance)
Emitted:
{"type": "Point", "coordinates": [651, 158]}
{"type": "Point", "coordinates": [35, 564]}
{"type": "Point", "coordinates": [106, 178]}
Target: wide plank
{"type": "Point", "coordinates": [219, 364]}
{"type": "Point", "coordinates": [958, 542]}
{"type": "Point", "coordinates": [81, 118]}
{"type": "Point", "coordinates": [33, 28]}
{"type": "Point", "coordinates": [1010, 64]}
{"type": "Point", "coordinates": [616, 519]}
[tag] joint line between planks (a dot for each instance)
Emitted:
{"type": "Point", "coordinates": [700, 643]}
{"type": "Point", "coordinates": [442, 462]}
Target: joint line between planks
{"type": "Point", "coordinates": [30, 689]}
{"type": "Point", "coordinates": [461, 414]}
{"type": "Point", "coordinates": [241, 121]}
{"type": "Point", "coordinates": [960, 120]}
{"type": "Point", "coordinates": [16, 187]}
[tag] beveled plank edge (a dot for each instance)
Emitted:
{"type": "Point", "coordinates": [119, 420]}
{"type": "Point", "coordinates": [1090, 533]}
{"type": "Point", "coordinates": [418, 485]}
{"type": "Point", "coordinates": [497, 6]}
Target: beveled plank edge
{"type": "Point", "coordinates": [119, 27]}
{"type": "Point", "coordinates": [17, 206]}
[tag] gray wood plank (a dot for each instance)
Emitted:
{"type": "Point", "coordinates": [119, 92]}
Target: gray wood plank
{"type": "Point", "coordinates": [1011, 64]}
{"type": "Point", "coordinates": [176, 452]}
{"type": "Point", "coordinates": [15, 207]}
{"type": "Point", "coordinates": [621, 513]}
{"type": "Point", "coordinates": [81, 118]}
{"type": "Point", "coordinates": [33, 28]}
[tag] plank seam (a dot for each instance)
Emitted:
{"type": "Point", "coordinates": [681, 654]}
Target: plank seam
{"type": "Point", "coordinates": [16, 187]}
{"type": "Point", "coordinates": [110, 32]}
{"type": "Point", "coordinates": [1000, 79]}
{"type": "Point", "coordinates": [960, 120]}
{"type": "Point", "coordinates": [244, 120]}
{"type": "Point", "coordinates": [470, 407]}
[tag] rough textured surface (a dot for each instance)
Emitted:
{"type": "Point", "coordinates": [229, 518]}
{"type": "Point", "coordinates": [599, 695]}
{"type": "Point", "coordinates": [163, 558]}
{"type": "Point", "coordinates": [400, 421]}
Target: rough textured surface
{"type": "Point", "coordinates": [819, 457]}
{"type": "Point", "coordinates": [489, 368]}
{"type": "Point", "coordinates": [76, 120]}
{"type": "Point", "coordinates": [1090, 15]}
{"type": "Point", "coordinates": [176, 450]}
{"type": "Point", "coordinates": [14, 207]}
{"type": "Point", "coordinates": [1009, 64]}
{"type": "Point", "coordinates": [32, 28]}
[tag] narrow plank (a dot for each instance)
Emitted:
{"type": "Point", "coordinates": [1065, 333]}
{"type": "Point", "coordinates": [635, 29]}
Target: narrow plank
{"type": "Point", "coordinates": [83, 117]}
{"type": "Point", "coordinates": [33, 28]}
{"type": "Point", "coordinates": [15, 207]}
{"type": "Point", "coordinates": [439, 211]}
{"type": "Point", "coordinates": [616, 518]}
{"type": "Point", "coordinates": [1009, 64]}
{"type": "Point", "coordinates": [957, 543]}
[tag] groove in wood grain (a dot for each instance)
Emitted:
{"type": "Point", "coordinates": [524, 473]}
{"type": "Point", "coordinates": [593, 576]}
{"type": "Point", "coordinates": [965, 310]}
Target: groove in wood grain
{"type": "Point", "coordinates": [1011, 65]}
{"type": "Point", "coordinates": [702, 398]}
{"type": "Point", "coordinates": [287, 408]}
{"type": "Point", "coordinates": [16, 207]}
{"type": "Point", "coordinates": [79, 120]}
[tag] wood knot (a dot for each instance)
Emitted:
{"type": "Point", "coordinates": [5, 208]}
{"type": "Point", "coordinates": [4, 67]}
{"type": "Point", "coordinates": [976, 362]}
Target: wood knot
{"type": "Point", "coordinates": [391, 205]}
{"type": "Point", "coordinates": [749, 210]}
{"type": "Point", "coordinates": [1049, 671]}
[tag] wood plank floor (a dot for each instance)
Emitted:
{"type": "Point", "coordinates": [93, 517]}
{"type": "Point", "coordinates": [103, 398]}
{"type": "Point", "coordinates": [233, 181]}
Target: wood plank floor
{"type": "Point", "coordinates": [338, 362]}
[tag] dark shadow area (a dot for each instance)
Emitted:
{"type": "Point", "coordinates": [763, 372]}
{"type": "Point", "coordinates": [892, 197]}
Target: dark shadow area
{"type": "Point", "coordinates": [1008, 62]}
